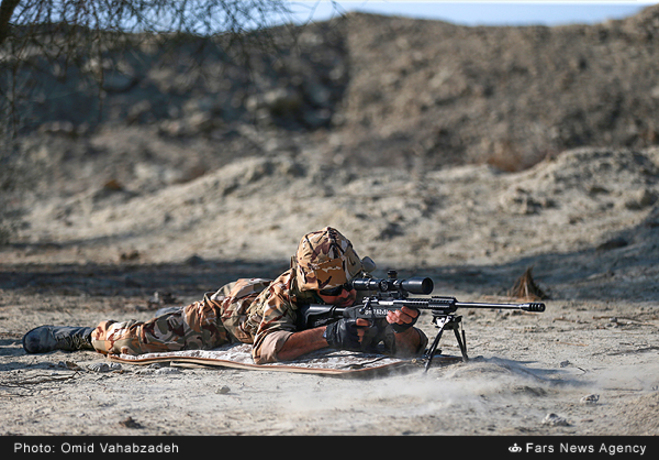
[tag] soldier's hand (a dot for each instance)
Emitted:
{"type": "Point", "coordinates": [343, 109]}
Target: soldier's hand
{"type": "Point", "coordinates": [346, 333]}
{"type": "Point", "coordinates": [403, 318]}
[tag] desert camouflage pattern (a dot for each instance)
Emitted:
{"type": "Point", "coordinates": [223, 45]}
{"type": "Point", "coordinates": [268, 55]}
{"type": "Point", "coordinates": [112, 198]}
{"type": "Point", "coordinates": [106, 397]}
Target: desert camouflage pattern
{"type": "Point", "coordinates": [197, 326]}
{"type": "Point", "coordinates": [325, 259]}
{"type": "Point", "coordinates": [246, 311]}
{"type": "Point", "coordinates": [257, 311]}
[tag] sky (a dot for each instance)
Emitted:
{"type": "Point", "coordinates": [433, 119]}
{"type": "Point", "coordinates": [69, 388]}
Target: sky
{"type": "Point", "coordinates": [472, 13]}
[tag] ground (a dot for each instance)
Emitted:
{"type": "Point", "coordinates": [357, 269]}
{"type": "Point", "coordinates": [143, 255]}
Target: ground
{"type": "Point", "coordinates": [586, 366]}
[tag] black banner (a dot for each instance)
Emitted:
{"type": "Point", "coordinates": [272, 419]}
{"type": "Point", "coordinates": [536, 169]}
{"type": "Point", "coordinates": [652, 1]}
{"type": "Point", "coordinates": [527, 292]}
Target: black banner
{"type": "Point", "coordinates": [304, 446]}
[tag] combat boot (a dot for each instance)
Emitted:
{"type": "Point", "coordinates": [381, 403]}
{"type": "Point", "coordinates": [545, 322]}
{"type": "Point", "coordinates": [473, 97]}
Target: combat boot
{"type": "Point", "coordinates": [49, 338]}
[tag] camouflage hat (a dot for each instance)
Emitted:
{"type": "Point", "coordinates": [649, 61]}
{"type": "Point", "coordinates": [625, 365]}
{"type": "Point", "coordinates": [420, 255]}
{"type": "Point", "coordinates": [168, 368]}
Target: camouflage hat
{"type": "Point", "coordinates": [325, 259]}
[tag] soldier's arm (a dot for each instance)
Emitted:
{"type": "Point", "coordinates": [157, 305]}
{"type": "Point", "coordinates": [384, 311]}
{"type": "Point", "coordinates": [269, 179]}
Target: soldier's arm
{"type": "Point", "coordinates": [410, 341]}
{"type": "Point", "coordinates": [302, 342]}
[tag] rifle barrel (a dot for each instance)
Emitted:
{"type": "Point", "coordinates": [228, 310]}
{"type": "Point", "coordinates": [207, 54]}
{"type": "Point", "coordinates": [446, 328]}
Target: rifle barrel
{"type": "Point", "coordinates": [450, 303]}
{"type": "Point", "coordinates": [530, 306]}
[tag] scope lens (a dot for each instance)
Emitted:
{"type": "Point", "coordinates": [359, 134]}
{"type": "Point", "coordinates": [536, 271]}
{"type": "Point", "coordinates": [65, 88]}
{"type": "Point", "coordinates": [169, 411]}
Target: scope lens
{"type": "Point", "coordinates": [418, 285]}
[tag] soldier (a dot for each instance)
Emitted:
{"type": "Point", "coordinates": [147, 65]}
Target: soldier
{"type": "Point", "coordinates": [257, 311]}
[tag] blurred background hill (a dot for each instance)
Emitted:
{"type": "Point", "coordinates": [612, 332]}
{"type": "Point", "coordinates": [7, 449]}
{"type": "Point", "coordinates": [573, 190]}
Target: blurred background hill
{"type": "Point", "coordinates": [364, 121]}
{"type": "Point", "coordinates": [370, 90]}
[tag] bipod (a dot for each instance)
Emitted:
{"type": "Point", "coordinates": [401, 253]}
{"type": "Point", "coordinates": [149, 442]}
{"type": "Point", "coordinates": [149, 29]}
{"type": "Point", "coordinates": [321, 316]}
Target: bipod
{"type": "Point", "coordinates": [445, 323]}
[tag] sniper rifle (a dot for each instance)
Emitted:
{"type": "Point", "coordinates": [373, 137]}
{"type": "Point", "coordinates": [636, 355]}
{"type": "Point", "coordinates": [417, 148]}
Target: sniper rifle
{"type": "Point", "coordinates": [392, 293]}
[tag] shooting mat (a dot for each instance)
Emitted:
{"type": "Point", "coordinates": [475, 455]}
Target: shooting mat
{"type": "Point", "coordinates": [324, 362]}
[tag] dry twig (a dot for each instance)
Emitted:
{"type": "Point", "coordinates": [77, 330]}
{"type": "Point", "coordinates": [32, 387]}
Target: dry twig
{"type": "Point", "coordinates": [526, 288]}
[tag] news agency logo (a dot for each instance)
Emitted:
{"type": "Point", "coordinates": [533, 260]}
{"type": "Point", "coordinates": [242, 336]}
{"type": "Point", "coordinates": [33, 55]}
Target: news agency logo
{"type": "Point", "coordinates": [515, 449]}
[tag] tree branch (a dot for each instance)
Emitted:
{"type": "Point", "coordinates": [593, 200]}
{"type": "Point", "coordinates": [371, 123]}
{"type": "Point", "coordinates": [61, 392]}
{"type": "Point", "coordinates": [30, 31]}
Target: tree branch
{"type": "Point", "coordinates": [6, 11]}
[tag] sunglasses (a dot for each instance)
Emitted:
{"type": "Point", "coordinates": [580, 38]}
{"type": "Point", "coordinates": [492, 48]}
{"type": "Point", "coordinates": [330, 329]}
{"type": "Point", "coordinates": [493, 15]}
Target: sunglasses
{"type": "Point", "coordinates": [337, 290]}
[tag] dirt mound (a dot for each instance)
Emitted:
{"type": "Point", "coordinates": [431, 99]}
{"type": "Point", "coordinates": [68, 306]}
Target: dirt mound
{"type": "Point", "coordinates": [508, 95]}
{"type": "Point", "coordinates": [373, 90]}
{"type": "Point", "coordinates": [588, 207]}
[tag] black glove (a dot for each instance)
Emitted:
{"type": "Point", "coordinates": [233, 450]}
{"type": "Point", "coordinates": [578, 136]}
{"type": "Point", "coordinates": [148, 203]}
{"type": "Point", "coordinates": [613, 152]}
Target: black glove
{"type": "Point", "coordinates": [398, 328]}
{"type": "Point", "coordinates": [342, 334]}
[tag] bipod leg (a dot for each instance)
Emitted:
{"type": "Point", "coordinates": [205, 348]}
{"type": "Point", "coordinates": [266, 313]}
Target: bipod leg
{"type": "Point", "coordinates": [442, 323]}
{"type": "Point", "coordinates": [462, 343]}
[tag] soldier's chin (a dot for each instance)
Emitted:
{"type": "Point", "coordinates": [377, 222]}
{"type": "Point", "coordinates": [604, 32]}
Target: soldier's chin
{"type": "Point", "coordinates": [344, 302]}
{"type": "Point", "coordinates": [340, 301]}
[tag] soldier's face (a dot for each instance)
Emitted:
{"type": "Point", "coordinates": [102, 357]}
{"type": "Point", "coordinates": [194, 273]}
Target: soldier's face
{"type": "Point", "coordinates": [345, 298]}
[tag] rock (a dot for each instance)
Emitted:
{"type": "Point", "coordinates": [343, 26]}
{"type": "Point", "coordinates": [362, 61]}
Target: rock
{"type": "Point", "coordinates": [98, 367]}
{"type": "Point", "coordinates": [590, 399]}
{"type": "Point", "coordinates": [223, 390]}
{"type": "Point", "coordinates": [641, 200]}
{"type": "Point", "coordinates": [555, 420]}
{"type": "Point", "coordinates": [168, 371]}
{"type": "Point", "coordinates": [129, 422]}
{"type": "Point", "coordinates": [104, 367]}
{"type": "Point", "coordinates": [70, 365]}
{"type": "Point", "coordinates": [613, 243]}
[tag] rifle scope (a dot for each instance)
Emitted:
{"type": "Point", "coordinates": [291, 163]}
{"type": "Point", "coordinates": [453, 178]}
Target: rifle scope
{"type": "Point", "coordinates": [414, 285]}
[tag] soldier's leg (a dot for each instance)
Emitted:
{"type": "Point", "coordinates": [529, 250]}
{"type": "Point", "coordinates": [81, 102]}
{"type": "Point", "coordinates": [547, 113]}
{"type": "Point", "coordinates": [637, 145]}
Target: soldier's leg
{"type": "Point", "coordinates": [197, 326]}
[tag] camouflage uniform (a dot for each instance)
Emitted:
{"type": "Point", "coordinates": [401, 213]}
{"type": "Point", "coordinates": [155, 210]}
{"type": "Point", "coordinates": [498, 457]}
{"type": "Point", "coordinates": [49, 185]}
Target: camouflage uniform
{"type": "Point", "coordinates": [256, 311]}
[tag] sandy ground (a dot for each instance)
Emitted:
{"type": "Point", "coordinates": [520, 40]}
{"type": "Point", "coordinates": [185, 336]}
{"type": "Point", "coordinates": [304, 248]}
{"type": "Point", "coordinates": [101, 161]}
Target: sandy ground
{"type": "Point", "coordinates": [586, 366]}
